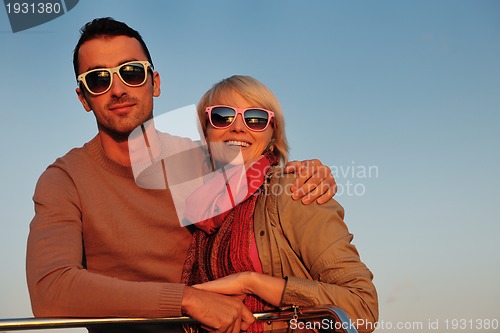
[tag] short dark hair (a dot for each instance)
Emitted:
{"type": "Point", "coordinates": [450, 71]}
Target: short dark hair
{"type": "Point", "coordinates": [106, 27]}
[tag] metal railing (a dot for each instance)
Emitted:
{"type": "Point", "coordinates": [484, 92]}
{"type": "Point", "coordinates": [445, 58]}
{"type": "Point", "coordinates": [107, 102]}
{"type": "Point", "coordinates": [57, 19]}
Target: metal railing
{"type": "Point", "coordinates": [337, 320]}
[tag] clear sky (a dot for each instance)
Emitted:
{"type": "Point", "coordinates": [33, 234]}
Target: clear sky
{"type": "Point", "coordinates": [400, 98]}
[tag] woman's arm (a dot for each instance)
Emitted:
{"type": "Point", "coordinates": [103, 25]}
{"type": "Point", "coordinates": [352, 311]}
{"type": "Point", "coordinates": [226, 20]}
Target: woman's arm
{"type": "Point", "coordinates": [267, 287]}
{"type": "Point", "coordinates": [315, 238]}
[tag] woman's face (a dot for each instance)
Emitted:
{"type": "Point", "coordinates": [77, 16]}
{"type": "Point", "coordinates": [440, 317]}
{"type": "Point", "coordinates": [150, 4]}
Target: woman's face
{"type": "Point", "coordinates": [227, 143]}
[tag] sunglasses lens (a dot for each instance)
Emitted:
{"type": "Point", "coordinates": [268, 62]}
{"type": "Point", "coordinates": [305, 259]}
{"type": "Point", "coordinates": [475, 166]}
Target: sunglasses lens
{"type": "Point", "coordinates": [133, 74]}
{"type": "Point", "coordinates": [256, 119]}
{"type": "Point", "coordinates": [222, 116]}
{"type": "Point", "coordinates": [98, 81]}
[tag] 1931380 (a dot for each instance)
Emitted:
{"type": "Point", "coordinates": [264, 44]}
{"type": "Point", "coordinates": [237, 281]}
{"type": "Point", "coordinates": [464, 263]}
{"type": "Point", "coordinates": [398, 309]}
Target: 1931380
{"type": "Point", "coordinates": [32, 8]}
{"type": "Point", "coordinates": [471, 324]}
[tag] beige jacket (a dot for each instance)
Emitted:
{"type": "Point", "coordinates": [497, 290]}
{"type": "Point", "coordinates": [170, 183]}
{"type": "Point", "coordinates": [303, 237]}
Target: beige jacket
{"type": "Point", "coordinates": [311, 246]}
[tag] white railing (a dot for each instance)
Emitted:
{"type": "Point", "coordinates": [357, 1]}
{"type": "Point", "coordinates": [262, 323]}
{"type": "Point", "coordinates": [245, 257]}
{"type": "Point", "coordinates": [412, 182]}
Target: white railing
{"type": "Point", "coordinates": [336, 320]}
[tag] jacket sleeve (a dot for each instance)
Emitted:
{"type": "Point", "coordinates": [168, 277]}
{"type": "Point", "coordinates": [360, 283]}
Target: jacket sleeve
{"type": "Point", "coordinates": [59, 285]}
{"type": "Point", "coordinates": [320, 238]}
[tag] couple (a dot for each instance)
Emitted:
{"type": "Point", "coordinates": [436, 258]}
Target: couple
{"type": "Point", "coordinates": [100, 246]}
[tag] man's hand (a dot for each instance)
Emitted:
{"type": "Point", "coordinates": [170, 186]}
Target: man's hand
{"type": "Point", "coordinates": [314, 181]}
{"type": "Point", "coordinates": [216, 312]}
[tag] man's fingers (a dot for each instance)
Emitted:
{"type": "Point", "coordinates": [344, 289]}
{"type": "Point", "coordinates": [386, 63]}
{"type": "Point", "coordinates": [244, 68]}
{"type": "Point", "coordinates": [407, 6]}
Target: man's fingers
{"type": "Point", "coordinates": [237, 327]}
{"type": "Point", "coordinates": [315, 183]}
{"type": "Point", "coordinates": [230, 326]}
{"type": "Point", "coordinates": [324, 192]}
{"type": "Point", "coordinates": [247, 319]}
{"type": "Point", "coordinates": [309, 183]}
{"type": "Point", "coordinates": [326, 196]}
{"type": "Point", "coordinates": [293, 167]}
{"type": "Point", "coordinates": [304, 191]}
{"type": "Point", "coordinates": [234, 327]}
{"type": "Point", "coordinates": [312, 195]}
{"type": "Point", "coordinates": [302, 185]}
{"type": "Point", "coordinates": [306, 169]}
{"type": "Point", "coordinates": [242, 322]}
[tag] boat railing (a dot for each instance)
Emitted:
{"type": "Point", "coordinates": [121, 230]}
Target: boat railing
{"type": "Point", "coordinates": [324, 318]}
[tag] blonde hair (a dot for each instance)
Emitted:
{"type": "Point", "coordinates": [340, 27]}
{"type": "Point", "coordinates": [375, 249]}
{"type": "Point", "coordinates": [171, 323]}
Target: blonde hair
{"type": "Point", "coordinates": [258, 95]}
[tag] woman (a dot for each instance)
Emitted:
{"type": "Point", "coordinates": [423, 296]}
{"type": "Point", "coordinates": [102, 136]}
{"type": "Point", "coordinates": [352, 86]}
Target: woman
{"type": "Point", "coordinates": [270, 248]}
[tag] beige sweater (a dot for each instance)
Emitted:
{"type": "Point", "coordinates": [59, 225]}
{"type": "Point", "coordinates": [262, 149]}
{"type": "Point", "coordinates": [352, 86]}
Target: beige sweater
{"type": "Point", "coordinates": [101, 246]}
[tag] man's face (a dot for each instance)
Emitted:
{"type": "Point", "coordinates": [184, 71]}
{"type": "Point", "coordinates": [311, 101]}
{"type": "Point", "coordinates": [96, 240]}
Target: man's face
{"type": "Point", "coordinates": [122, 108]}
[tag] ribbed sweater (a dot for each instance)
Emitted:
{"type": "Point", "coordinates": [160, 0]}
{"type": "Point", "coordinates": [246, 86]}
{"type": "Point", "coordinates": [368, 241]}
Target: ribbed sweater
{"type": "Point", "coordinates": [99, 245]}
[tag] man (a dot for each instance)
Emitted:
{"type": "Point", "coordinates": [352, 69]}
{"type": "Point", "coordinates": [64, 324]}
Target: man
{"type": "Point", "coordinates": [99, 245]}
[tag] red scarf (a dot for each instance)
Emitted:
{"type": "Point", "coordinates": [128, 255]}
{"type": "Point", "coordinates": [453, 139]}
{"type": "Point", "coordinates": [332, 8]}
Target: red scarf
{"type": "Point", "coordinates": [213, 255]}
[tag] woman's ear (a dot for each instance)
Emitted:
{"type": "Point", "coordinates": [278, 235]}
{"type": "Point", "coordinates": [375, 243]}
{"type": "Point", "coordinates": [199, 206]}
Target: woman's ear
{"type": "Point", "coordinates": [270, 146]}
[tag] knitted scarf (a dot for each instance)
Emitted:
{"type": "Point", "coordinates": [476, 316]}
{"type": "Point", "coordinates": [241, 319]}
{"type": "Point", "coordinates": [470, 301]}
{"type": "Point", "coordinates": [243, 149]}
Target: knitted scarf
{"type": "Point", "coordinates": [221, 249]}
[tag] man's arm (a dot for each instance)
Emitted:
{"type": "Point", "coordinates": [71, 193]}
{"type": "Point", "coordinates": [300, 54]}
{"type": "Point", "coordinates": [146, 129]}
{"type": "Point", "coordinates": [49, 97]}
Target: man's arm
{"type": "Point", "coordinates": [61, 286]}
{"type": "Point", "coordinates": [58, 282]}
{"type": "Point", "coordinates": [314, 181]}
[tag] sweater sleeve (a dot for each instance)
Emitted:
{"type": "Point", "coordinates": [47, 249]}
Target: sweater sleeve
{"type": "Point", "coordinates": [60, 285]}
{"type": "Point", "coordinates": [320, 238]}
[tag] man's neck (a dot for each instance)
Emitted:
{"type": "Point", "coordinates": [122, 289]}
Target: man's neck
{"type": "Point", "coordinates": [116, 148]}
{"type": "Point", "coordinates": [142, 146]}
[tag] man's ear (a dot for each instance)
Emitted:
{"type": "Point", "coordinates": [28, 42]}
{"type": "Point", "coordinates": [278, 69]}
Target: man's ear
{"type": "Point", "coordinates": [156, 84]}
{"type": "Point", "coordinates": [83, 100]}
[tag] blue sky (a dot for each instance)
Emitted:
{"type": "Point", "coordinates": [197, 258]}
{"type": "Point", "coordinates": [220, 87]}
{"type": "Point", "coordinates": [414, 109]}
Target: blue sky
{"type": "Point", "coordinates": [408, 88]}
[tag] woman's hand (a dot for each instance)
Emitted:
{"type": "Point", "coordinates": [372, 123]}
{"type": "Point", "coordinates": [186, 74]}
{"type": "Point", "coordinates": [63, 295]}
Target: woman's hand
{"type": "Point", "coordinates": [269, 288]}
